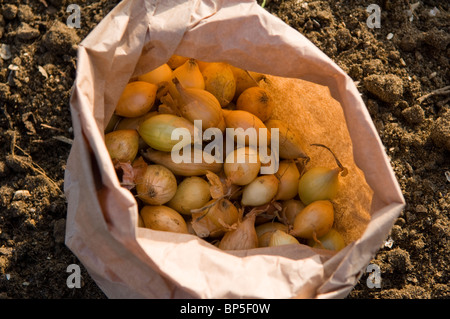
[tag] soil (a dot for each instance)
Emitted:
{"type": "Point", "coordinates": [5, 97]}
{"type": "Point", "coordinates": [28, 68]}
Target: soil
{"type": "Point", "coordinates": [402, 71]}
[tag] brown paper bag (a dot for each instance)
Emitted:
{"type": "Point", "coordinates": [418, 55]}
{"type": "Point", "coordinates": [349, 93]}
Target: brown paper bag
{"type": "Point", "coordinates": [131, 262]}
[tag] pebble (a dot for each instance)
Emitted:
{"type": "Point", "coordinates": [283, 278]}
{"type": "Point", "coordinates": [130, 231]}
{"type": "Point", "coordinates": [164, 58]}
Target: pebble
{"type": "Point", "coordinates": [21, 194]}
{"type": "Point", "coordinates": [5, 51]}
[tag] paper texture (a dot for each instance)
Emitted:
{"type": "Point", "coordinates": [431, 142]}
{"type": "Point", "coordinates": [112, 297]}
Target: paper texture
{"type": "Point", "coordinates": [131, 262]}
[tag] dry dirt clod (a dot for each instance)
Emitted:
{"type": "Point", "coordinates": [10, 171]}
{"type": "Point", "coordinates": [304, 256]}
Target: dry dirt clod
{"type": "Point", "coordinates": [388, 88]}
{"type": "Point", "coordinates": [61, 39]}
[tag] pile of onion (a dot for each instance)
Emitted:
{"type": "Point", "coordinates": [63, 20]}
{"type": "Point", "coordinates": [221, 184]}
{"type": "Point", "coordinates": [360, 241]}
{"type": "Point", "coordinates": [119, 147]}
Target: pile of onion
{"type": "Point", "coordinates": [222, 198]}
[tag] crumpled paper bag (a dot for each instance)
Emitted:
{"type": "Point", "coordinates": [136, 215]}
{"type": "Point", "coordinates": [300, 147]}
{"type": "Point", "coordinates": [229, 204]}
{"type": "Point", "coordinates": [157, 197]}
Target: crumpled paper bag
{"type": "Point", "coordinates": [132, 262]}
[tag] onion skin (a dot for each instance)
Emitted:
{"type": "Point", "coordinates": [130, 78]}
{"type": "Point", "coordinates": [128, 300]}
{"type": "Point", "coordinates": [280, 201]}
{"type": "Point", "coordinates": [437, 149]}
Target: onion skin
{"type": "Point", "coordinates": [318, 183]}
{"type": "Point", "coordinates": [137, 98]}
{"type": "Point", "coordinates": [214, 220]}
{"type": "Point", "coordinates": [314, 221]}
{"type": "Point", "coordinates": [260, 191]}
{"type": "Point", "coordinates": [192, 193]}
{"type": "Point", "coordinates": [163, 218]}
{"type": "Point", "coordinates": [290, 209]}
{"type": "Point", "coordinates": [242, 173]}
{"type": "Point", "coordinates": [122, 145]}
{"type": "Point", "coordinates": [243, 237]}
{"type": "Point", "coordinates": [156, 186]}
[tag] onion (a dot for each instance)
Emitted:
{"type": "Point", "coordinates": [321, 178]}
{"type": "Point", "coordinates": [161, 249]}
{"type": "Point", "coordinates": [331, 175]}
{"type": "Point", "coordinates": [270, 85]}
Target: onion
{"type": "Point", "coordinates": [209, 163]}
{"type": "Point", "coordinates": [122, 145]}
{"type": "Point", "coordinates": [314, 221]}
{"type": "Point", "coordinates": [265, 231]}
{"type": "Point", "coordinates": [192, 193]}
{"type": "Point", "coordinates": [243, 236]}
{"type": "Point", "coordinates": [257, 101]}
{"type": "Point", "coordinates": [163, 218]}
{"type": "Point", "coordinates": [320, 183]}
{"type": "Point", "coordinates": [289, 176]}
{"type": "Point", "coordinates": [157, 131]}
{"type": "Point", "coordinates": [158, 75]}
{"type": "Point", "coordinates": [291, 145]}
{"type": "Point", "coordinates": [280, 238]}
{"type": "Point", "coordinates": [290, 209]}
{"type": "Point", "coordinates": [241, 121]}
{"type": "Point", "coordinates": [216, 217]}
{"type": "Point", "coordinates": [220, 81]}
{"type": "Point", "coordinates": [189, 75]}
{"type": "Point", "coordinates": [245, 79]}
{"type": "Point", "coordinates": [137, 98]}
{"type": "Point", "coordinates": [176, 60]}
{"type": "Point", "coordinates": [332, 240]}
{"type": "Point", "coordinates": [156, 186]}
{"type": "Point", "coordinates": [245, 172]}
{"type": "Point", "coordinates": [260, 191]}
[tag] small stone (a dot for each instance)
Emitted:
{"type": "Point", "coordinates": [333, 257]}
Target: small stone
{"type": "Point", "coordinates": [5, 51]}
{"type": "Point", "coordinates": [388, 88]}
{"type": "Point", "coordinates": [9, 11]}
{"type": "Point", "coordinates": [21, 194]}
{"type": "Point", "coordinates": [414, 114]}
{"type": "Point", "coordinates": [25, 32]}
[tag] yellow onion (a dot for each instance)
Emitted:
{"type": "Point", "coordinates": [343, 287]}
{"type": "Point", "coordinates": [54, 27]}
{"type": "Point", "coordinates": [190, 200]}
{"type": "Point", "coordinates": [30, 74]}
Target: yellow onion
{"type": "Point", "coordinates": [332, 240]}
{"type": "Point", "coordinates": [140, 221]}
{"type": "Point", "coordinates": [163, 218]}
{"type": "Point", "coordinates": [158, 75]}
{"type": "Point", "coordinates": [156, 186]}
{"type": "Point", "coordinates": [245, 172]}
{"type": "Point", "coordinates": [320, 183]}
{"type": "Point", "coordinates": [219, 81]}
{"type": "Point", "coordinates": [202, 64]}
{"type": "Point", "coordinates": [199, 104]}
{"type": "Point", "coordinates": [136, 99]}
{"type": "Point", "coordinates": [192, 193]}
{"type": "Point", "coordinates": [290, 143]}
{"type": "Point", "coordinates": [242, 237]}
{"type": "Point", "coordinates": [189, 75]}
{"type": "Point", "coordinates": [265, 231]}
{"type": "Point", "coordinates": [176, 60]}
{"type": "Point", "coordinates": [245, 79]}
{"type": "Point", "coordinates": [290, 209]}
{"type": "Point", "coordinates": [280, 238]}
{"type": "Point", "coordinates": [257, 101]}
{"type": "Point", "coordinates": [237, 119]}
{"type": "Point", "coordinates": [209, 163]}
{"type": "Point", "coordinates": [122, 145]}
{"type": "Point", "coordinates": [314, 221]}
{"type": "Point", "coordinates": [157, 130]}
{"type": "Point", "coordinates": [216, 217]}
{"type": "Point", "coordinates": [260, 191]}
{"type": "Point", "coordinates": [289, 176]}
